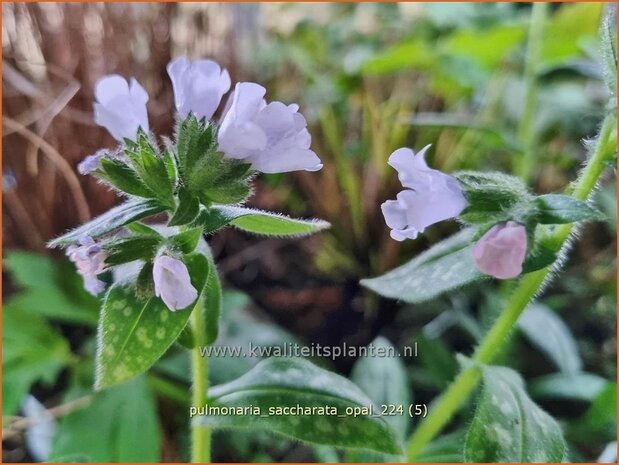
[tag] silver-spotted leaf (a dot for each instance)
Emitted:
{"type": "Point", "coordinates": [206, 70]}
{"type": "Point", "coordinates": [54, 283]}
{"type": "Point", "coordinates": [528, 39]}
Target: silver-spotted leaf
{"type": "Point", "coordinates": [278, 383]}
{"type": "Point", "coordinates": [446, 266]}
{"type": "Point", "coordinates": [508, 426]}
{"type": "Point", "coordinates": [133, 334]}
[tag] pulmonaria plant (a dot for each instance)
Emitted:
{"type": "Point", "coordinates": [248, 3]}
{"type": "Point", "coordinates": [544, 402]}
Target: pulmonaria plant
{"type": "Point", "coordinates": [165, 287]}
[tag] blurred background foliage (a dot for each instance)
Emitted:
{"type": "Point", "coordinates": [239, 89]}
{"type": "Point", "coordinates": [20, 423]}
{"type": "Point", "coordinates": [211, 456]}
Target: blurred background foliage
{"type": "Point", "coordinates": [369, 78]}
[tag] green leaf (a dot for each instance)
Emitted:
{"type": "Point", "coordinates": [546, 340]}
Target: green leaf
{"type": "Point", "coordinates": [384, 380]}
{"type": "Point", "coordinates": [110, 221]}
{"type": "Point", "coordinates": [144, 286]}
{"type": "Point", "coordinates": [123, 178]}
{"type": "Point", "coordinates": [187, 209]}
{"type": "Point", "coordinates": [119, 425]}
{"type": "Point", "coordinates": [437, 359]}
{"type": "Point", "coordinates": [445, 449]}
{"type": "Point", "coordinates": [55, 305]}
{"type": "Point", "coordinates": [128, 249]}
{"type": "Point", "coordinates": [508, 426]}
{"type": "Point", "coordinates": [187, 241]}
{"type": "Point", "coordinates": [561, 209]}
{"type": "Point", "coordinates": [143, 230]}
{"type": "Point", "coordinates": [540, 257]}
{"type": "Point", "coordinates": [415, 54]}
{"type": "Point", "coordinates": [578, 386]}
{"type": "Point", "coordinates": [278, 383]}
{"type": "Point", "coordinates": [152, 169]}
{"type": "Point", "coordinates": [186, 338]}
{"type": "Point", "coordinates": [30, 270]}
{"type": "Point", "coordinates": [133, 334]}
{"type": "Point", "coordinates": [204, 277]}
{"type": "Point", "coordinates": [444, 267]}
{"type": "Point", "coordinates": [570, 25]}
{"type": "Point", "coordinates": [258, 222]}
{"type": "Point", "coordinates": [194, 138]}
{"type": "Point", "coordinates": [233, 192]}
{"type": "Point", "coordinates": [472, 44]}
{"type": "Point", "coordinates": [547, 331]}
{"type": "Point", "coordinates": [31, 351]}
{"type": "Point", "coordinates": [601, 418]}
{"type": "Point", "coordinates": [171, 167]}
{"type": "Point", "coordinates": [213, 303]}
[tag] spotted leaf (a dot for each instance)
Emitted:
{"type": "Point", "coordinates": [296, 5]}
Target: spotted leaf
{"type": "Point", "coordinates": [133, 334]}
{"type": "Point", "coordinates": [509, 427]}
{"type": "Point", "coordinates": [277, 384]}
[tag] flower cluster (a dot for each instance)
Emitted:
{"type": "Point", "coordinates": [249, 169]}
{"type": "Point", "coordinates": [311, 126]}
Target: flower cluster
{"type": "Point", "coordinates": [430, 196]}
{"type": "Point", "coordinates": [251, 135]}
{"type": "Point", "coordinates": [272, 137]}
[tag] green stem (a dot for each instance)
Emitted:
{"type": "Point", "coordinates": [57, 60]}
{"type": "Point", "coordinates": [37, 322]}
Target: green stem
{"type": "Point", "coordinates": [200, 433]}
{"type": "Point", "coordinates": [526, 130]}
{"type": "Point", "coordinates": [530, 285]}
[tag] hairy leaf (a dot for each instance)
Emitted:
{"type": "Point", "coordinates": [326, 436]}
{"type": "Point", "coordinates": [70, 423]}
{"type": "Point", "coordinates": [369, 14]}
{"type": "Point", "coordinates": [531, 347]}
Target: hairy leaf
{"type": "Point", "coordinates": [133, 334]}
{"type": "Point", "coordinates": [561, 209]}
{"type": "Point", "coordinates": [124, 178]}
{"type": "Point", "coordinates": [281, 383]}
{"type": "Point", "coordinates": [258, 221]}
{"type": "Point", "coordinates": [445, 266]}
{"type": "Point", "coordinates": [128, 249]}
{"type": "Point", "coordinates": [187, 209]}
{"type": "Point", "coordinates": [110, 221]}
{"type": "Point", "coordinates": [508, 426]}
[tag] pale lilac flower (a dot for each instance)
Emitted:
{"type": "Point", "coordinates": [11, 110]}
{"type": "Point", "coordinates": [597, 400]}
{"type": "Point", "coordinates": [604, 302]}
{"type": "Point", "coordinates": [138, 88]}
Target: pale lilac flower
{"type": "Point", "coordinates": [198, 86]}
{"type": "Point", "coordinates": [120, 106]}
{"type": "Point", "coordinates": [91, 162]}
{"type": "Point", "coordinates": [172, 283]}
{"type": "Point", "coordinates": [430, 197]}
{"type": "Point", "coordinates": [89, 259]}
{"type": "Point", "coordinates": [501, 251]}
{"type": "Point", "coordinates": [272, 137]}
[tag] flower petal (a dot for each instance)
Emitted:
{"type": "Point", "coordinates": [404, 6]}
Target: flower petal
{"type": "Point", "coordinates": [502, 250]}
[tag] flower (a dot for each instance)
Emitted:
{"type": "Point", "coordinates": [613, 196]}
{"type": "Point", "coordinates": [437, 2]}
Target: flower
{"type": "Point", "coordinates": [91, 163]}
{"type": "Point", "coordinates": [501, 251]}
{"type": "Point", "coordinates": [198, 86]}
{"type": "Point", "coordinates": [89, 259]}
{"type": "Point", "coordinates": [120, 106]}
{"type": "Point", "coordinates": [272, 137]}
{"type": "Point", "coordinates": [430, 197]}
{"type": "Point", "coordinates": [172, 283]}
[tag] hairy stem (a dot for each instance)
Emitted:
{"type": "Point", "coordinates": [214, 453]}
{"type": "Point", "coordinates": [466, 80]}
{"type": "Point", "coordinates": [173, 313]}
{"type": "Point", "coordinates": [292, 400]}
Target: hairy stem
{"type": "Point", "coordinates": [528, 288]}
{"type": "Point", "coordinates": [200, 434]}
{"type": "Point", "coordinates": [526, 129]}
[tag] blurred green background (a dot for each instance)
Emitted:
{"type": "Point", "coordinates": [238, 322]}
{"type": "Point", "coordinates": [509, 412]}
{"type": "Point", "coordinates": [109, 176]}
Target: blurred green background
{"type": "Point", "coordinates": [369, 78]}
